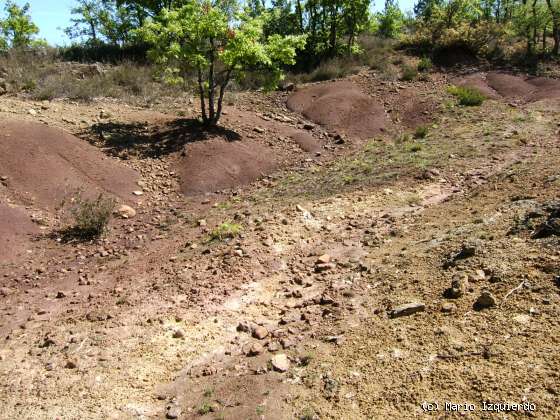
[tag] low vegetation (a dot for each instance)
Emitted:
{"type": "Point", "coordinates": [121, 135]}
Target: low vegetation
{"type": "Point", "coordinates": [86, 218]}
{"type": "Point", "coordinates": [467, 96]}
{"type": "Point", "coordinates": [226, 230]}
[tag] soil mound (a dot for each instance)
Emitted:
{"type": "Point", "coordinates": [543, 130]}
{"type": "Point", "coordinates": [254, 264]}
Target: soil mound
{"type": "Point", "coordinates": [218, 164]}
{"type": "Point", "coordinates": [415, 110]}
{"type": "Point", "coordinates": [478, 81]}
{"type": "Point", "coordinates": [306, 141]}
{"type": "Point", "coordinates": [509, 86]}
{"type": "Point", "coordinates": [15, 228]}
{"type": "Point", "coordinates": [43, 165]}
{"type": "Point", "coordinates": [496, 85]}
{"type": "Point", "coordinates": [342, 107]}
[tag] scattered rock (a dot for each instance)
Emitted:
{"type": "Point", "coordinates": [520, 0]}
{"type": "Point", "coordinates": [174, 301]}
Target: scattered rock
{"type": "Point", "coordinates": [260, 333]}
{"type": "Point", "coordinates": [60, 294]}
{"type": "Point", "coordinates": [448, 307]}
{"type": "Point", "coordinates": [71, 364]}
{"type": "Point", "coordinates": [273, 347]}
{"type": "Point", "coordinates": [323, 259]}
{"type": "Point", "coordinates": [173, 412]}
{"type": "Point", "coordinates": [459, 285]}
{"type": "Point", "coordinates": [485, 300]}
{"type": "Point", "coordinates": [178, 333]}
{"type": "Point", "coordinates": [259, 130]}
{"type": "Point", "coordinates": [138, 193]}
{"type": "Point", "coordinates": [126, 212]}
{"type": "Point", "coordinates": [407, 309]}
{"type": "Point", "coordinates": [280, 362]}
{"type": "Point", "coordinates": [252, 349]}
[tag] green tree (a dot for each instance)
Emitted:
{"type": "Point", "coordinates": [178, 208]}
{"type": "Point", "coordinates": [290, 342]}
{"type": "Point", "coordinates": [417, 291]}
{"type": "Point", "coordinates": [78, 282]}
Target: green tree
{"type": "Point", "coordinates": [17, 30]}
{"type": "Point", "coordinates": [204, 37]}
{"type": "Point", "coordinates": [87, 19]}
{"type": "Point", "coordinates": [391, 20]}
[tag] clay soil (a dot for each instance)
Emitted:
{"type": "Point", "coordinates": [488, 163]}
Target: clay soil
{"type": "Point", "coordinates": [336, 212]}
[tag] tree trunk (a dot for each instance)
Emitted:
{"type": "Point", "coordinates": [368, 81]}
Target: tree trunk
{"type": "Point", "coordinates": [333, 29]}
{"type": "Point", "coordinates": [201, 94]}
{"type": "Point", "coordinates": [299, 12]}
{"type": "Point", "coordinates": [555, 26]}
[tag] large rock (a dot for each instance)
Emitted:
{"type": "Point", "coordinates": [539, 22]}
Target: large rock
{"type": "Point", "coordinates": [280, 362]}
{"type": "Point", "coordinates": [485, 300]}
{"type": "Point", "coordinates": [407, 309]}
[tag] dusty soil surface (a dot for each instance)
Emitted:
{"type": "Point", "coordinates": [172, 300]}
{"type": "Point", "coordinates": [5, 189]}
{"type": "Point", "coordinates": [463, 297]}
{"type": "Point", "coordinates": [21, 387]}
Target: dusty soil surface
{"type": "Point", "coordinates": [42, 165]}
{"type": "Point", "coordinates": [497, 85]}
{"type": "Point", "coordinates": [340, 106]}
{"type": "Point", "coordinates": [367, 279]}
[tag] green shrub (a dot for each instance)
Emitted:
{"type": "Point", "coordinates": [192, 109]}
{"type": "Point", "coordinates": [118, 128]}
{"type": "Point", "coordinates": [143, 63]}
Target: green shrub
{"type": "Point", "coordinates": [421, 132]}
{"type": "Point", "coordinates": [414, 147]}
{"type": "Point", "coordinates": [226, 230]}
{"type": "Point", "coordinates": [409, 73]}
{"type": "Point", "coordinates": [89, 217]}
{"type": "Point", "coordinates": [425, 65]}
{"type": "Point", "coordinates": [467, 96]}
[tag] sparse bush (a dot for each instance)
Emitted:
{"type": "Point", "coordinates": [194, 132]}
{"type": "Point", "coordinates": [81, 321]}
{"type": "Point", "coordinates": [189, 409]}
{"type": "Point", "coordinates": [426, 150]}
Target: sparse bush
{"type": "Point", "coordinates": [421, 132]}
{"type": "Point", "coordinates": [425, 64]}
{"type": "Point", "coordinates": [414, 147]}
{"type": "Point", "coordinates": [89, 217]}
{"type": "Point", "coordinates": [467, 96]}
{"type": "Point", "coordinates": [331, 69]}
{"type": "Point", "coordinates": [226, 230]}
{"type": "Point", "coordinates": [409, 73]}
{"type": "Point", "coordinates": [206, 408]}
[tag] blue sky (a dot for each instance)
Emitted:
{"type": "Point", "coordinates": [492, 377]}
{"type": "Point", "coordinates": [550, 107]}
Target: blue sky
{"type": "Point", "coordinates": [52, 16]}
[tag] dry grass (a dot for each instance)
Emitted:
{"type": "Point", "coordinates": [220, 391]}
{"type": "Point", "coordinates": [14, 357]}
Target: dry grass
{"type": "Point", "coordinates": [43, 76]}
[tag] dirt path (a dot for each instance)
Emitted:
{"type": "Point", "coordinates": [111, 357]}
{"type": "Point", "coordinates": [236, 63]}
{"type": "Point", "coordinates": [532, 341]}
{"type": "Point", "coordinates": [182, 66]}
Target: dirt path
{"type": "Point", "coordinates": [157, 321]}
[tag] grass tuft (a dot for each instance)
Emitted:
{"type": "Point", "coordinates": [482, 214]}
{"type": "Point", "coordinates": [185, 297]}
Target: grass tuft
{"type": "Point", "coordinates": [467, 96]}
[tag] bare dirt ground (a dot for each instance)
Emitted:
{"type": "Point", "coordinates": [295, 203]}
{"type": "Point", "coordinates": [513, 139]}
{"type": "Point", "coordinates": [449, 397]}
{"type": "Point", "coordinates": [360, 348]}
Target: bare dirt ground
{"type": "Point", "coordinates": [301, 315]}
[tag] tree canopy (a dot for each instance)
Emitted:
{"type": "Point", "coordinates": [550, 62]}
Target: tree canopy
{"type": "Point", "coordinates": [218, 46]}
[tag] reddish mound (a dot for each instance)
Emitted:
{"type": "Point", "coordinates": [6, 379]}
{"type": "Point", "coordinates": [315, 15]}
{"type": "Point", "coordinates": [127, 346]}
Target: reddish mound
{"type": "Point", "coordinates": [415, 110]}
{"type": "Point", "coordinates": [15, 226]}
{"type": "Point", "coordinates": [45, 164]}
{"type": "Point", "coordinates": [546, 88]}
{"type": "Point", "coordinates": [217, 164]}
{"type": "Point", "coordinates": [478, 81]}
{"type": "Point", "coordinates": [500, 85]}
{"type": "Point", "coordinates": [341, 107]}
{"type": "Point", "coordinates": [306, 141]}
{"type": "Point", "coordinates": [509, 86]}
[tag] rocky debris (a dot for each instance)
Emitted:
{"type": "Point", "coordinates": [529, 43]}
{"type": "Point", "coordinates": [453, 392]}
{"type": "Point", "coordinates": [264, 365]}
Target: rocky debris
{"type": "Point", "coordinates": [273, 347]}
{"type": "Point", "coordinates": [178, 333]}
{"type": "Point", "coordinates": [60, 294]}
{"type": "Point", "coordinates": [448, 307]}
{"type": "Point", "coordinates": [173, 411]}
{"type": "Point", "coordinates": [96, 316]}
{"type": "Point", "coordinates": [71, 363]}
{"type": "Point", "coordinates": [280, 362]}
{"type": "Point", "coordinates": [407, 309]}
{"type": "Point", "coordinates": [259, 332]}
{"type": "Point", "coordinates": [252, 349]}
{"type": "Point", "coordinates": [126, 212]}
{"type": "Point", "coordinates": [550, 226]}
{"type": "Point", "coordinates": [485, 300]}
{"type": "Point", "coordinates": [259, 130]}
{"type": "Point", "coordinates": [467, 251]}
{"type": "Point", "coordinates": [324, 263]}
{"type": "Point", "coordinates": [459, 285]}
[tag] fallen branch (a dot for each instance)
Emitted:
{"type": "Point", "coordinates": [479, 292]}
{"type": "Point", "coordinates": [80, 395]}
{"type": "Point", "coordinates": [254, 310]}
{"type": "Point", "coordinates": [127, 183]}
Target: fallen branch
{"type": "Point", "coordinates": [520, 286]}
